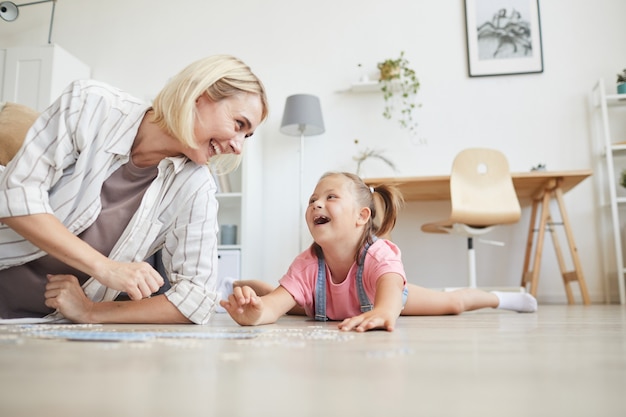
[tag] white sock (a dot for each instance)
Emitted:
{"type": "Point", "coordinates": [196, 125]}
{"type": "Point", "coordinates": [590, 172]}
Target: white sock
{"type": "Point", "coordinates": [517, 301]}
{"type": "Point", "coordinates": [224, 289]}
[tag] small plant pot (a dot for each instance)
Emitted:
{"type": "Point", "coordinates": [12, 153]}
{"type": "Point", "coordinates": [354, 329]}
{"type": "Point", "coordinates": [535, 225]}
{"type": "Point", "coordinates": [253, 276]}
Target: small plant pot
{"type": "Point", "coordinates": [389, 72]}
{"type": "Point", "coordinates": [621, 88]}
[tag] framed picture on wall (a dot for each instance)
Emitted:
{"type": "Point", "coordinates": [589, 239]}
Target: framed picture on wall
{"type": "Point", "coordinates": [503, 37]}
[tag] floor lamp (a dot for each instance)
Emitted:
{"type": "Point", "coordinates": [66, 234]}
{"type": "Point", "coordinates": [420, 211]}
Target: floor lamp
{"type": "Point", "coordinates": [302, 117]}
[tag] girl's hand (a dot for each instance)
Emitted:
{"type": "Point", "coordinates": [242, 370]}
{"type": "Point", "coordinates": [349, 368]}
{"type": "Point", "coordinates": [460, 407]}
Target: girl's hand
{"type": "Point", "coordinates": [244, 306]}
{"type": "Point", "coordinates": [137, 279]}
{"type": "Point", "coordinates": [64, 293]}
{"type": "Point", "coordinates": [373, 319]}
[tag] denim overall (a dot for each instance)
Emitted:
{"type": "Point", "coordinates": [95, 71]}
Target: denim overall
{"type": "Point", "coordinates": [320, 287]}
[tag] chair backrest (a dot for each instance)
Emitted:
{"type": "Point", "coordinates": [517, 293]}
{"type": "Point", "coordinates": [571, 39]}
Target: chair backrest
{"type": "Point", "coordinates": [15, 120]}
{"type": "Point", "coordinates": [481, 189]}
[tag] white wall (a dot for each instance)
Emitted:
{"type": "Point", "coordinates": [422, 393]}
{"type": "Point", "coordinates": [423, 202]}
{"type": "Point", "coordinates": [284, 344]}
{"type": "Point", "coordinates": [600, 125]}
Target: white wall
{"type": "Point", "coordinates": [314, 47]}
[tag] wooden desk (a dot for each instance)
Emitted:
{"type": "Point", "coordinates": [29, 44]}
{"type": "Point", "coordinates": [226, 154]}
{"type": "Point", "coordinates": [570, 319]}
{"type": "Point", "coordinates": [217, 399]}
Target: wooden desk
{"type": "Point", "coordinates": [527, 184]}
{"type": "Point", "coordinates": [534, 188]}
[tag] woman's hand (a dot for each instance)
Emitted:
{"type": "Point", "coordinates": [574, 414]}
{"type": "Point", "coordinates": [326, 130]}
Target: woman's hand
{"type": "Point", "coordinates": [373, 319]}
{"type": "Point", "coordinates": [244, 306]}
{"type": "Point", "coordinates": [137, 279]}
{"type": "Point", "coordinates": [64, 293]}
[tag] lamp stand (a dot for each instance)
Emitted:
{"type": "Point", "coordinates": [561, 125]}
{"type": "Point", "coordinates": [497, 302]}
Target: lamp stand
{"type": "Point", "coordinates": [302, 117]}
{"type": "Point", "coordinates": [300, 189]}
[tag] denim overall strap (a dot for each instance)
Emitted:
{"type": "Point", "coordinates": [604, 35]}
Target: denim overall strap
{"type": "Point", "coordinates": [320, 287]}
{"type": "Point", "coordinates": [320, 291]}
{"type": "Point", "coordinates": [366, 305]}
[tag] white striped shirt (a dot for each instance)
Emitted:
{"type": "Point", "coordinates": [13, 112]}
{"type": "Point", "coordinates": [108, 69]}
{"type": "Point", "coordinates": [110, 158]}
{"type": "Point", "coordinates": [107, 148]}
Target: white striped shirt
{"type": "Point", "coordinates": [76, 144]}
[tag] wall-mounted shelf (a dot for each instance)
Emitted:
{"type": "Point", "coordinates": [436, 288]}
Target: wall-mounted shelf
{"type": "Point", "coordinates": [364, 87]}
{"type": "Point", "coordinates": [368, 87]}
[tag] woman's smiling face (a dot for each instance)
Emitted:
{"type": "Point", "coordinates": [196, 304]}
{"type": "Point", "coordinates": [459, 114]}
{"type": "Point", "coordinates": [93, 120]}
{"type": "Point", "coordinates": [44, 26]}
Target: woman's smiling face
{"type": "Point", "coordinates": [221, 127]}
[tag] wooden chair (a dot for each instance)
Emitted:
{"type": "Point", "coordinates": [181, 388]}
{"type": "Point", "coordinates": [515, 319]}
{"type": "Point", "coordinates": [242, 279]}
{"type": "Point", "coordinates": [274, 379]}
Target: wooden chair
{"type": "Point", "coordinates": [482, 197]}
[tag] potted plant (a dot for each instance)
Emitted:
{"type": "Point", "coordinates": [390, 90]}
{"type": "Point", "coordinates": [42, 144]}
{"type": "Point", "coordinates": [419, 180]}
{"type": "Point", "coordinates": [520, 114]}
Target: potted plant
{"type": "Point", "coordinates": [621, 82]}
{"type": "Point", "coordinates": [398, 79]}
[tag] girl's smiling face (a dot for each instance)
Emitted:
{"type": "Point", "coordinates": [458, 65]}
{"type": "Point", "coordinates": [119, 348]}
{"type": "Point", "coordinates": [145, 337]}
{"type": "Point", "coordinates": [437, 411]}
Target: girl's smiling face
{"type": "Point", "coordinates": [221, 127]}
{"type": "Point", "coordinates": [333, 213]}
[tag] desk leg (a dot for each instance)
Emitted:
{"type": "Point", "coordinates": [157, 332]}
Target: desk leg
{"type": "Point", "coordinates": [543, 221]}
{"type": "Point", "coordinates": [577, 273]}
{"type": "Point", "coordinates": [527, 272]}
{"type": "Point", "coordinates": [561, 260]}
{"type": "Point", "coordinates": [531, 276]}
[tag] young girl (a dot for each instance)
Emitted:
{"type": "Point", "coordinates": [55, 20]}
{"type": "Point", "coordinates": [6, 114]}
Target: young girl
{"type": "Point", "coordinates": [347, 267]}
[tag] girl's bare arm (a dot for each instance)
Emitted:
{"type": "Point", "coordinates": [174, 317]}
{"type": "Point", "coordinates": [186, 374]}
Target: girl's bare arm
{"type": "Point", "coordinates": [387, 307]}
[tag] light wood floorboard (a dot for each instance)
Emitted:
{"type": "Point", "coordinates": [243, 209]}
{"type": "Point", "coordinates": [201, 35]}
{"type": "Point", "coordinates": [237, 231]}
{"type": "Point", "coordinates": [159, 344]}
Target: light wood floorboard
{"type": "Point", "coordinates": [561, 361]}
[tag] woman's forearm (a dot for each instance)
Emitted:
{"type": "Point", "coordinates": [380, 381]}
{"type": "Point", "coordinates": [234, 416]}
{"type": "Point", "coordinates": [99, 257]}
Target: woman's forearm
{"type": "Point", "coordinates": [138, 279]}
{"type": "Point", "coordinates": [156, 309]}
{"type": "Point", "coordinates": [50, 235]}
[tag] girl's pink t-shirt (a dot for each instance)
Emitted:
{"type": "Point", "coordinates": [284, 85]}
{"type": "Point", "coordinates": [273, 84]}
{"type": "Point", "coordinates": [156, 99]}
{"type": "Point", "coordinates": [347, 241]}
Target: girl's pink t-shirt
{"type": "Point", "coordinates": [342, 300]}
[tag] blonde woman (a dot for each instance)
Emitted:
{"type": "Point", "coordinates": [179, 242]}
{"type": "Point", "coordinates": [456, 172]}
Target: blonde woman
{"type": "Point", "coordinates": [103, 181]}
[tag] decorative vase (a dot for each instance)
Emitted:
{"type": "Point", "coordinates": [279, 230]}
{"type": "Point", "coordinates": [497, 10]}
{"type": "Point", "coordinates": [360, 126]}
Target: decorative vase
{"type": "Point", "coordinates": [621, 88]}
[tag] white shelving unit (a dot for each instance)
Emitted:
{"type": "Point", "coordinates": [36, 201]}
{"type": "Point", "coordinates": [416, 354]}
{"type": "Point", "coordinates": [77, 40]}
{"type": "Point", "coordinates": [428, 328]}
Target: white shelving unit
{"type": "Point", "coordinates": [230, 206]}
{"type": "Point", "coordinates": [609, 117]}
{"type": "Point", "coordinates": [238, 207]}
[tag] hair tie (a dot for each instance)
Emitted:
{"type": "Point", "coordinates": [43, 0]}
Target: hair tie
{"type": "Point", "coordinates": [372, 190]}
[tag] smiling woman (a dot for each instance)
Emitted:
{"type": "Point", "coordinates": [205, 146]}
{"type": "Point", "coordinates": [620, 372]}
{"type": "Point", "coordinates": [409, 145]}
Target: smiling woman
{"type": "Point", "coordinates": [70, 249]}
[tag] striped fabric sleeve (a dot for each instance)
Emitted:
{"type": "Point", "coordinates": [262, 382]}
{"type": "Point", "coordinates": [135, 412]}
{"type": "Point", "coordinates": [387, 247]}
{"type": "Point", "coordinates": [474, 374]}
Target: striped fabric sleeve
{"type": "Point", "coordinates": [190, 250]}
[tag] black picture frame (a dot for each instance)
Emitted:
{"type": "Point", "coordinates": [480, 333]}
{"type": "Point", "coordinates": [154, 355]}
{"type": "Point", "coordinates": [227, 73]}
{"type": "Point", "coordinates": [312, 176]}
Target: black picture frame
{"type": "Point", "coordinates": [503, 37]}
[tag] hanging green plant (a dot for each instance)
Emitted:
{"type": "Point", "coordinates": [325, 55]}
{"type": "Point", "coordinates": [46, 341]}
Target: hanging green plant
{"type": "Point", "coordinates": [399, 80]}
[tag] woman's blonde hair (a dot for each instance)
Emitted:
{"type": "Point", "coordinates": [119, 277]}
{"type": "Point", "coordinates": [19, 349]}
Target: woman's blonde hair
{"type": "Point", "coordinates": [218, 76]}
{"type": "Point", "coordinates": [384, 202]}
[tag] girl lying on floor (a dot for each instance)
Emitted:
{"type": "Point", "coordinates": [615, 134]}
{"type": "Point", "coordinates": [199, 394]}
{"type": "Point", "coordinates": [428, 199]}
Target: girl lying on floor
{"type": "Point", "coordinates": [347, 266]}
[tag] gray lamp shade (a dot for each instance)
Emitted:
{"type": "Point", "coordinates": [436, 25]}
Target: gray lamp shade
{"type": "Point", "coordinates": [302, 116]}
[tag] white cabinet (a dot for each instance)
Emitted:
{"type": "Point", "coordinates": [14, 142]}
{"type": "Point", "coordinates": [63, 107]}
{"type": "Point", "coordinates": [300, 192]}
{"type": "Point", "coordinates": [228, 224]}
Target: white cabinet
{"type": "Point", "coordinates": [228, 264]}
{"type": "Point", "coordinates": [609, 149]}
{"type": "Point", "coordinates": [241, 206]}
{"type": "Point", "coordinates": [35, 76]}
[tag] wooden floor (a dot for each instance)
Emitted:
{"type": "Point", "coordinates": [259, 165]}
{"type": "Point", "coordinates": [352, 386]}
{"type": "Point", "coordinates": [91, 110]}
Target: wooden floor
{"type": "Point", "coordinates": [560, 361]}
